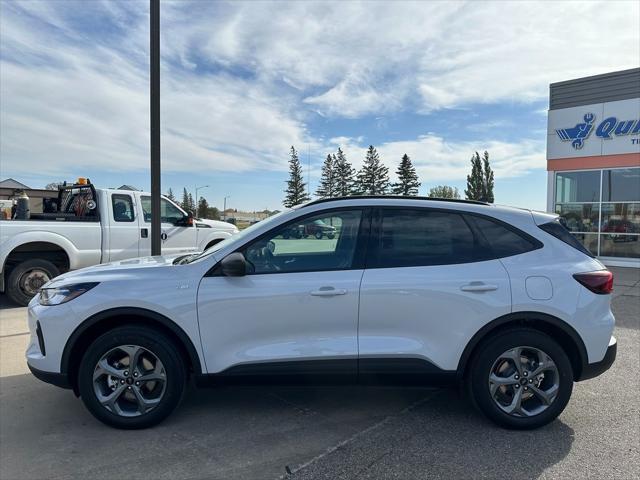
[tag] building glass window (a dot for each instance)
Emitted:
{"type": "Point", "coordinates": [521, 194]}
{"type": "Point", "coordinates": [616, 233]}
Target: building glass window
{"type": "Point", "coordinates": [601, 208]}
{"type": "Point", "coordinates": [579, 217]}
{"type": "Point", "coordinates": [578, 186]}
{"type": "Point", "coordinates": [621, 185]}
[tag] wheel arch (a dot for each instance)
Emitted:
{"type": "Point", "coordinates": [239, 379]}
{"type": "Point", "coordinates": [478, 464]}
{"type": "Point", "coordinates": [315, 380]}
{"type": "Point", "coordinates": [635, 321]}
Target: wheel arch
{"type": "Point", "coordinates": [42, 249]}
{"type": "Point", "coordinates": [104, 321]}
{"type": "Point", "coordinates": [556, 328]}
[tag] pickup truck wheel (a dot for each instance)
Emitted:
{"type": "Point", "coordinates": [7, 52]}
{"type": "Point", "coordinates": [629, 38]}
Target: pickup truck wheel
{"type": "Point", "coordinates": [132, 377]}
{"type": "Point", "coordinates": [521, 379]}
{"type": "Point", "coordinates": [27, 277]}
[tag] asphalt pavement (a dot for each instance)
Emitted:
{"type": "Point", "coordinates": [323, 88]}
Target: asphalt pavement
{"type": "Point", "coordinates": [324, 433]}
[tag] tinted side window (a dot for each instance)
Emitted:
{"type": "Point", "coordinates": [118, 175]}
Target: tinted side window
{"type": "Point", "coordinates": [122, 208]}
{"type": "Point", "coordinates": [419, 237]}
{"type": "Point", "coordinates": [321, 242]}
{"type": "Point", "coordinates": [502, 241]}
{"type": "Point", "coordinates": [556, 229]}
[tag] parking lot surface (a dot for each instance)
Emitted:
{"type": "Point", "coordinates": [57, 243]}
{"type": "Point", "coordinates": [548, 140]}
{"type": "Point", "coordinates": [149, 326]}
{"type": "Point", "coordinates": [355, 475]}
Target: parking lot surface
{"type": "Point", "coordinates": [327, 433]}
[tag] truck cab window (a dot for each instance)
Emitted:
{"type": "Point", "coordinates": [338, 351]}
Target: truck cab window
{"type": "Point", "coordinates": [122, 208]}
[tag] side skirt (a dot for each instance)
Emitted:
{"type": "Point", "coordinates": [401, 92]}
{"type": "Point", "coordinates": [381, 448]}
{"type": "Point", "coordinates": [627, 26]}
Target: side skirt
{"type": "Point", "coordinates": [365, 371]}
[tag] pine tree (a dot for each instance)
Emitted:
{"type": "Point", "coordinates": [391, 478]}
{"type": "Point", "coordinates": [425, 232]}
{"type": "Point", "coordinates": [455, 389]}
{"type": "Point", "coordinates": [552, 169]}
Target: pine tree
{"type": "Point", "coordinates": [170, 195]}
{"type": "Point", "coordinates": [203, 208]}
{"type": "Point", "coordinates": [408, 183]}
{"type": "Point", "coordinates": [373, 177]}
{"type": "Point", "coordinates": [480, 182]}
{"type": "Point", "coordinates": [344, 175]}
{"type": "Point", "coordinates": [444, 191]}
{"type": "Point", "coordinates": [192, 204]}
{"type": "Point", "coordinates": [296, 189]}
{"type": "Point", "coordinates": [475, 181]}
{"type": "Point", "coordinates": [327, 187]}
{"type": "Point", "coordinates": [487, 175]}
{"type": "Point", "coordinates": [186, 206]}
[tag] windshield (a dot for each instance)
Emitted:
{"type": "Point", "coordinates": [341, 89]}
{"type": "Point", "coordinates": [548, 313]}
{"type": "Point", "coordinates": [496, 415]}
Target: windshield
{"type": "Point", "coordinates": [237, 237]}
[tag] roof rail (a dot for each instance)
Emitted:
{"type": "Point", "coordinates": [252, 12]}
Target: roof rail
{"type": "Point", "coordinates": [397, 197]}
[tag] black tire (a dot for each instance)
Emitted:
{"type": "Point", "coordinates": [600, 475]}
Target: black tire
{"type": "Point", "coordinates": [319, 235]}
{"type": "Point", "coordinates": [491, 349]}
{"type": "Point", "coordinates": [331, 236]}
{"type": "Point", "coordinates": [16, 289]}
{"type": "Point", "coordinates": [156, 343]}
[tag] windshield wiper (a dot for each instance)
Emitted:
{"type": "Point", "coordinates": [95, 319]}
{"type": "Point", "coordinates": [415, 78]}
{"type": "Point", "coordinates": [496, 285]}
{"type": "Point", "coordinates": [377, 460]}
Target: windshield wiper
{"type": "Point", "coordinates": [182, 259]}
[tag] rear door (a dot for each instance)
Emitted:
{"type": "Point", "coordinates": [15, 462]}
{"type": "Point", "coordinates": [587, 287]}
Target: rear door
{"type": "Point", "coordinates": [425, 292]}
{"type": "Point", "coordinates": [123, 226]}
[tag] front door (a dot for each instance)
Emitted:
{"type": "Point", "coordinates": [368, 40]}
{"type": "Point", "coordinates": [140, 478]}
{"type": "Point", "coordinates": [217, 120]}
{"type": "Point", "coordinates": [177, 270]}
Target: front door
{"type": "Point", "coordinates": [296, 311]}
{"type": "Point", "coordinates": [176, 237]}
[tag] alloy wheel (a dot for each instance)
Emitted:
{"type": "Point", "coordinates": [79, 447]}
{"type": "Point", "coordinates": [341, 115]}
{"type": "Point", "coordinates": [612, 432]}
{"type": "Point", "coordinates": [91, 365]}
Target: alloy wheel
{"type": "Point", "coordinates": [129, 380]}
{"type": "Point", "coordinates": [524, 381]}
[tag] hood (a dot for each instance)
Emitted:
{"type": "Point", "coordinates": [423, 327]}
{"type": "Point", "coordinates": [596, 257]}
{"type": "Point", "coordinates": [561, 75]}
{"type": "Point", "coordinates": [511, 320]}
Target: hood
{"type": "Point", "coordinates": [114, 270]}
{"type": "Point", "coordinates": [217, 224]}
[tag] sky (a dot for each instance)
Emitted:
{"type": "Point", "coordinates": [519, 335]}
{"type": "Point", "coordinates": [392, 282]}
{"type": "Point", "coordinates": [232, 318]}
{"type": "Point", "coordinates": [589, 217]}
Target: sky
{"type": "Point", "coordinates": [242, 82]}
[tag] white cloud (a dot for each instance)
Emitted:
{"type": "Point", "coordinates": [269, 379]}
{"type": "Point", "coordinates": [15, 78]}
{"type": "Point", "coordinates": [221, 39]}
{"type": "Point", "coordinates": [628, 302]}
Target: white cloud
{"type": "Point", "coordinates": [240, 79]}
{"type": "Point", "coordinates": [437, 160]}
{"type": "Point", "coordinates": [357, 58]}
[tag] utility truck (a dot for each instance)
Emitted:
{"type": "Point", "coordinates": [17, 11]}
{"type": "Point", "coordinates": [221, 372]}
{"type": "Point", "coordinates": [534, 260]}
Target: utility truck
{"type": "Point", "coordinates": [86, 226]}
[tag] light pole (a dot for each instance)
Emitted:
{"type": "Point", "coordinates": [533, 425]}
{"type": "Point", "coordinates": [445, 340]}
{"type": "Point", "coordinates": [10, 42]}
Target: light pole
{"type": "Point", "coordinates": [224, 209]}
{"type": "Point", "coordinates": [197, 199]}
{"type": "Point", "coordinates": [154, 94]}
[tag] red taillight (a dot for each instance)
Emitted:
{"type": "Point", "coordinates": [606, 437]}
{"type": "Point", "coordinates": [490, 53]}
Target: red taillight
{"type": "Point", "coordinates": [600, 282]}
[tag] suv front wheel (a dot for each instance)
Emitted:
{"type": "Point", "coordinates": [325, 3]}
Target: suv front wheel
{"type": "Point", "coordinates": [132, 377]}
{"type": "Point", "coordinates": [521, 379]}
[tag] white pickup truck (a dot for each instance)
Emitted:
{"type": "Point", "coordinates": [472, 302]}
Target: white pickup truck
{"type": "Point", "coordinates": [87, 226]}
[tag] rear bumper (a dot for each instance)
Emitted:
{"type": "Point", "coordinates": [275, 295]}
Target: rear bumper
{"type": "Point", "coordinates": [592, 370]}
{"type": "Point", "coordinates": [58, 379]}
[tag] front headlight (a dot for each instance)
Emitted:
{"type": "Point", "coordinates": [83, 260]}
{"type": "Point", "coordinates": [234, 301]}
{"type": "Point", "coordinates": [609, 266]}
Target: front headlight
{"type": "Point", "coordinates": [57, 295]}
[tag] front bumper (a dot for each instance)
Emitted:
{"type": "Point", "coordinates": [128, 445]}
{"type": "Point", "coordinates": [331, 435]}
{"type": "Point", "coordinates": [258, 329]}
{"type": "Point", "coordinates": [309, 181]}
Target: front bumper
{"type": "Point", "coordinates": [58, 379]}
{"type": "Point", "coordinates": [592, 370]}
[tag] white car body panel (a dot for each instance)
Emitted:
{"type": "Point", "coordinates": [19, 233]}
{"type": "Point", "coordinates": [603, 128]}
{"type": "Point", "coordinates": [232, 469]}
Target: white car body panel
{"type": "Point", "coordinates": [275, 317]}
{"type": "Point", "coordinates": [417, 312]}
{"type": "Point", "coordinates": [422, 312]}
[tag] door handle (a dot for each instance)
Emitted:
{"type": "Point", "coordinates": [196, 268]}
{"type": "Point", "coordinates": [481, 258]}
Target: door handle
{"type": "Point", "coordinates": [478, 287]}
{"type": "Point", "coordinates": [144, 232]}
{"type": "Point", "coordinates": [328, 292]}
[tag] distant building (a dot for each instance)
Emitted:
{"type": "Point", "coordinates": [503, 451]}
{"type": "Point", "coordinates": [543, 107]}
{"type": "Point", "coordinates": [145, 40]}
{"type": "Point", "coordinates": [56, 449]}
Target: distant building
{"type": "Point", "coordinates": [129, 187]}
{"type": "Point", "coordinates": [14, 184]}
{"type": "Point", "coordinates": [593, 160]}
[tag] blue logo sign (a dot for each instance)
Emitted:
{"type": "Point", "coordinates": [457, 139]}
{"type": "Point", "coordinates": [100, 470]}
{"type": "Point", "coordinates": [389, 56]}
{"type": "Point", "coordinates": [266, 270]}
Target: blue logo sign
{"type": "Point", "coordinates": [606, 130]}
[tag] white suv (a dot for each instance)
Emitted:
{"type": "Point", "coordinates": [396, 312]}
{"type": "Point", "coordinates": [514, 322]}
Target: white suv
{"type": "Point", "coordinates": [408, 290]}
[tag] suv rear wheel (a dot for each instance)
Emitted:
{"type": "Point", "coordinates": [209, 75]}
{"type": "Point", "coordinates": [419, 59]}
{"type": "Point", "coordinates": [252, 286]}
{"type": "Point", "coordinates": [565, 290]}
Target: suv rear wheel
{"type": "Point", "coordinates": [132, 377]}
{"type": "Point", "coordinates": [521, 379]}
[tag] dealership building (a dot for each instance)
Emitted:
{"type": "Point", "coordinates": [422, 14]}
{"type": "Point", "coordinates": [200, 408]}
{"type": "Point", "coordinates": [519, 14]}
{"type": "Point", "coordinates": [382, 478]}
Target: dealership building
{"type": "Point", "coordinates": [593, 162]}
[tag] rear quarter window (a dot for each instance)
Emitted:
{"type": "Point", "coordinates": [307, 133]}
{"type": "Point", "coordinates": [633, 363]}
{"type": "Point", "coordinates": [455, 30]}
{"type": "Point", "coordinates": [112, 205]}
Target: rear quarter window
{"type": "Point", "coordinates": [558, 230]}
{"type": "Point", "coordinates": [502, 240]}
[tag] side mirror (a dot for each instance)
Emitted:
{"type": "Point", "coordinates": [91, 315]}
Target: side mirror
{"type": "Point", "coordinates": [185, 221]}
{"type": "Point", "coordinates": [234, 265]}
